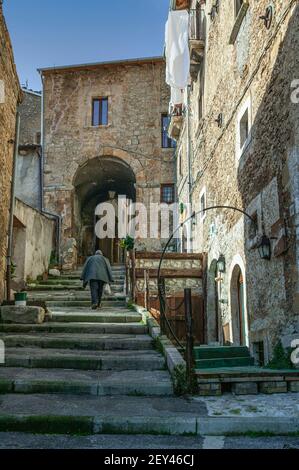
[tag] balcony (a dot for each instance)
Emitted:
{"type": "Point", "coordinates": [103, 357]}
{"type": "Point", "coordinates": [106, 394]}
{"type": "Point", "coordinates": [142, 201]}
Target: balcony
{"type": "Point", "coordinates": [176, 122]}
{"type": "Point", "coordinates": [196, 40]}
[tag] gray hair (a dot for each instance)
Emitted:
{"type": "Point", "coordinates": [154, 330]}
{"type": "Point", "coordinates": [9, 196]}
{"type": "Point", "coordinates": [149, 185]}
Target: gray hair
{"type": "Point", "coordinates": [99, 252]}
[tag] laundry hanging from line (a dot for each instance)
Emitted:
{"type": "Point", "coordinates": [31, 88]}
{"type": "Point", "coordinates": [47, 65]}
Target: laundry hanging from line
{"type": "Point", "coordinates": [177, 54]}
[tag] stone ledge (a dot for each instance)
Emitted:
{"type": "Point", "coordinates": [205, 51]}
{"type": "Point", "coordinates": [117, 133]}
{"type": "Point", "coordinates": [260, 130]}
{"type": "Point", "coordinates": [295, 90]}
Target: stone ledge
{"type": "Point", "coordinates": [22, 315]}
{"type": "Point", "coordinates": [173, 358]}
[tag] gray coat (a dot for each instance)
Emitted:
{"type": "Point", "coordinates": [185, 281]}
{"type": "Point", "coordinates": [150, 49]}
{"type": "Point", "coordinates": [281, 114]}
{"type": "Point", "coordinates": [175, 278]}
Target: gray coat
{"type": "Point", "coordinates": [97, 268]}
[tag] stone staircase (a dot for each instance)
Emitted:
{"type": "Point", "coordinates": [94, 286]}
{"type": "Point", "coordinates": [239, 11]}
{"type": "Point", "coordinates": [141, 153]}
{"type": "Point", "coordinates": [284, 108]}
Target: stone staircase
{"type": "Point", "coordinates": [222, 369]}
{"type": "Point", "coordinates": [88, 371]}
{"type": "Point", "coordinates": [218, 357]}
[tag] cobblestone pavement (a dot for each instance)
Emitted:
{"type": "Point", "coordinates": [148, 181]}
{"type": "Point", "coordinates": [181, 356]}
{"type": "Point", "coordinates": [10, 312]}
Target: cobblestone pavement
{"type": "Point", "coordinates": [280, 405]}
{"type": "Point", "coordinates": [30, 441]}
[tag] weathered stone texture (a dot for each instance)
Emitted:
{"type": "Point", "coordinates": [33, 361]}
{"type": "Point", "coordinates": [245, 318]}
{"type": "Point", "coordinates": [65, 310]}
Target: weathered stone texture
{"type": "Point", "coordinates": [28, 172]}
{"type": "Point", "coordinates": [261, 66]}
{"type": "Point", "coordinates": [12, 94]}
{"type": "Point", "coordinates": [33, 242]}
{"type": "Point", "coordinates": [22, 315]}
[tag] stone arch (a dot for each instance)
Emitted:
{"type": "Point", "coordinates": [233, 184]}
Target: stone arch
{"type": "Point", "coordinates": [239, 324]}
{"type": "Point", "coordinates": [98, 180]}
{"type": "Point", "coordinates": [128, 159]}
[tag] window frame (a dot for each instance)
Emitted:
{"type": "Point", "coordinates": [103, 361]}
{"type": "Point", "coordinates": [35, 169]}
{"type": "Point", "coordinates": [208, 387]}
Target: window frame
{"type": "Point", "coordinates": [171, 143]}
{"type": "Point", "coordinates": [99, 99]}
{"type": "Point", "coordinates": [202, 194]}
{"type": "Point", "coordinates": [165, 186]}
{"type": "Point", "coordinates": [246, 107]}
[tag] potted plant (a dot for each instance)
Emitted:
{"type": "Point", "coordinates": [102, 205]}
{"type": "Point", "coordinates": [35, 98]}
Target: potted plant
{"type": "Point", "coordinates": [128, 243]}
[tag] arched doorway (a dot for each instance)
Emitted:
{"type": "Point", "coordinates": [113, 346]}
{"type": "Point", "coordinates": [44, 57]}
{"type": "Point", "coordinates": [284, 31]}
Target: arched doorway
{"type": "Point", "coordinates": [100, 180]}
{"type": "Point", "coordinates": [239, 318]}
{"type": "Point", "coordinates": [213, 304]}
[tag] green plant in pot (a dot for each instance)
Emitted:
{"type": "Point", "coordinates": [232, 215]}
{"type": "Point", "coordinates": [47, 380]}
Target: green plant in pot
{"type": "Point", "coordinates": [128, 243]}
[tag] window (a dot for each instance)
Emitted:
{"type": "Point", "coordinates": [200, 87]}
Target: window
{"type": "Point", "coordinates": [241, 7]}
{"type": "Point", "coordinates": [167, 193]}
{"type": "Point", "coordinates": [203, 203]}
{"type": "Point", "coordinates": [167, 142]}
{"type": "Point", "coordinates": [243, 128]}
{"type": "Point", "coordinates": [238, 5]}
{"type": "Point", "coordinates": [100, 112]}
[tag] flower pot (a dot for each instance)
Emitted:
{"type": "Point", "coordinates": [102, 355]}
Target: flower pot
{"type": "Point", "coordinates": [21, 299]}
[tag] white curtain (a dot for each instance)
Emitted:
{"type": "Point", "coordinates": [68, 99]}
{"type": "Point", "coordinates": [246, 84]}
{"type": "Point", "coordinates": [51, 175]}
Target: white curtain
{"type": "Point", "coordinates": [177, 53]}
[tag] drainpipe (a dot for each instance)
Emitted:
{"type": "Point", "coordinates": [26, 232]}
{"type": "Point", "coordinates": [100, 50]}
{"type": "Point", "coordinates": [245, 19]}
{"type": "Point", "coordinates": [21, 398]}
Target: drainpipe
{"type": "Point", "coordinates": [53, 215]}
{"type": "Point", "coordinates": [12, 209]}
{"type": "Point", "coordinates": [189, 147]}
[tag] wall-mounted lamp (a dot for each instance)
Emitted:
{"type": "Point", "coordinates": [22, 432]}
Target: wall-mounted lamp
{"type": "Point", "coordinates": [264, 248]}
{"type": "Point", "coordinates": [268, 17]}
{"type": "Point", "coordinates": [221, 264]}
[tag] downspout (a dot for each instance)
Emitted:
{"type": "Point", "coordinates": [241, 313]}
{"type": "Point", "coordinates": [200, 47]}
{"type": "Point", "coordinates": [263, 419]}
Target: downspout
{"type": "Point", "coordinates": [12, 209]}
{"type": "Point", "coordinates": [189, 146]}
{"type": "Point", "coordinates": [57, 217]}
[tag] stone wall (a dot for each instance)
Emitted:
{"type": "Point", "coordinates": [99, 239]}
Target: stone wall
{"type": "Point", "coordinates": [10, 89]}
{"type": "Point", "coordinates": [33, 242]}
{"type": "Point", "coordinates": [28, 177]}
{"type": "Point", "coordinates": [258, 68]}
{"type": "Point", "coordinates": [137, 97]}
{"type": "Point", "coordinates": [177, 262]}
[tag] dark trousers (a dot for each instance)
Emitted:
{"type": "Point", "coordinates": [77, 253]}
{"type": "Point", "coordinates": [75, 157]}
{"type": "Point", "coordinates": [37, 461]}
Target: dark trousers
{"type": "Point", "coordinates": [96, 289]}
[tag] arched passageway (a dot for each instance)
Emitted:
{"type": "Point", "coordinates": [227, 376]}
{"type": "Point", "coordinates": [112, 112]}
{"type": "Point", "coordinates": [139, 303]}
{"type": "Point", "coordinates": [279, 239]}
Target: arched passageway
{"type": "Point", "coordinates": [100, 180]}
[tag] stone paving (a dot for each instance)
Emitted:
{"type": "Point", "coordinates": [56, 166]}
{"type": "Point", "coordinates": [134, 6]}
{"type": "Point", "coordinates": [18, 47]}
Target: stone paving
{"type": "Point", "coordinates": [279, 405]}
{"type": "Point", "coordinates": [32, 441]}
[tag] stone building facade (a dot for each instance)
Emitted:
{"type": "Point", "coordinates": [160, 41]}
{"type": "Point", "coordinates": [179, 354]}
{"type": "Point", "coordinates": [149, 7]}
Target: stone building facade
{"type": "Point", "coordinates": [10, 96]}
{"type": "Point", "coordinates": [29, 169]}
{"type": "Point", "coordinates": [240, 142]}
{"type": "Point", "coordinates": [103, 138]}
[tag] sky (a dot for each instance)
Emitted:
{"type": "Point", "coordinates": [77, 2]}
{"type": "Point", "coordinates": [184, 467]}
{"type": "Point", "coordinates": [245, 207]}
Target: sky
{"type": "Point", "coordinates": [48, 33]}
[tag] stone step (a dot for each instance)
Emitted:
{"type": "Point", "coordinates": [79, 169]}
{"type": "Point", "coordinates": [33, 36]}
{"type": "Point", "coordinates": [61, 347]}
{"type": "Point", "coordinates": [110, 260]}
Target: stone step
{"type": "Point", "coordinates": [85, 300]}
{"type": "Point", "coordinates": [118, 277]}
{"type": "Point", "coordinates": [130, 317]}
{"type": "Point", "coordinates": [82, 303]}
{"type": "Point", "coordinates": [90, 342]}
{"type": "Point", "coordinates": [74, 295]}
{"type": "Point", "coordinates": [57, 414]}
{"type": "Point", "coordinates": [83, 360]}
{"type": "Point", "coordinates": [208, 352]}
{"type": "Point", "coordinates": [224, 362]}
{"type": "Point", "coordinates": [51, 288]}
{"type": "Point", "coordinates": [79, 382]}
{"type": "Point", "coordinates": [77, 328]}
{"type": "Point", "coordinates": [58, 287]}
{"type": "Point", "coordinates": [72, 282]}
